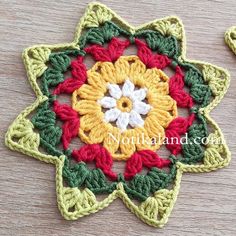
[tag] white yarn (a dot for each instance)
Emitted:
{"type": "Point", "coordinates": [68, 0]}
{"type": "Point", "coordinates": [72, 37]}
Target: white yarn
{"type": "Point", "coordinates": [123, 119]}
{"type": "Point", "coordinates": [141, 107]}
{"type": "Point", "coordinates": [111, 115]}
{"type": "Point", "coordinates": [107, 102]}
{"type": "Point", "coordinates": [139, 94]}
{"type": "Point", "coordinates": [135, 120]}
{"type": "Point", "coordinates": [128, 88]}
{"type": "Point", "coordinates": [114, 90]}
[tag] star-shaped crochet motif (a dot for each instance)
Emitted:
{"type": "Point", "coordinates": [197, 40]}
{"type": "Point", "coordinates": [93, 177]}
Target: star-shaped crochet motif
{"type": "Point", "coordinates": [124, 108]}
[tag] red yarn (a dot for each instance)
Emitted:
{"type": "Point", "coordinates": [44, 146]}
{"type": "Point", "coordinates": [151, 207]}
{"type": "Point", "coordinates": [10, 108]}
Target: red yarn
{"type": "Point", "coordinates": [176, 89]}
{"type": "Point", "coordinates": [79, 73]}
{"type": "Point", "coordinates": [180, 125]}
{"type": "Point", "coordinates": [149, 59]}
{"type": "Point", "coordinates": [78, 69]}
{"type": "Point", "coordinates": [176, 84]}
{"type": "Point", "coordinates": [111, 53]}
{"type": "Point", "coordinates": [97, 153]}
{"type": "Point", "coordinates": [70, 120]}
{"type": "Point", "coordinates": [144, 158]}
{"type": "Point", "coordinates": [176, 128]}
{"type": "Point", "coordinates": [68, 86]}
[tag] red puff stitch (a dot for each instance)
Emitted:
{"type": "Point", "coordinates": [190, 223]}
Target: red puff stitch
{"type": "Point", "coordinates": [97, 153]}
{"type": "Point", "coordinates": [150, 59]}
{"type": "Point", "coordinates": [143, 158]}
{"type": "Point", "coordinates": [176, 128]}
{"type": "Point", "coordinates": [176, 89]}
{"type": "Point", "coordinates": [70, 120]}
{"type": "Point", "coordinates": [79, 77]}
{"type": "Point", "coordinates": [111, 53]}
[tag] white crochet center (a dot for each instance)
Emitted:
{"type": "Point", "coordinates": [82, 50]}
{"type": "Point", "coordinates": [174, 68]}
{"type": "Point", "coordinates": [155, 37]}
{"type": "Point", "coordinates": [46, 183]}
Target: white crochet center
{"type": "Point", "coordinates": [124, 119]}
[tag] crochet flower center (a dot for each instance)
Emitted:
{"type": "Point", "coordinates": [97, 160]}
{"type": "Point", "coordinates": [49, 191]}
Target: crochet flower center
{"type": "Point", "coordinates": [125, 106]}
{"type": "Point", "coordinates": [121, 101]}
{"type": "Point", "coordinates": [122, 109]}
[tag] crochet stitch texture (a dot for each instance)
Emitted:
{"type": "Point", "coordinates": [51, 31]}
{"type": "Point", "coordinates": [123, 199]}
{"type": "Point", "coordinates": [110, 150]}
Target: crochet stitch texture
{"type": "Point", "coordinates": [119, 99]}
{"type": "Point", "coordinates": [230, 38]}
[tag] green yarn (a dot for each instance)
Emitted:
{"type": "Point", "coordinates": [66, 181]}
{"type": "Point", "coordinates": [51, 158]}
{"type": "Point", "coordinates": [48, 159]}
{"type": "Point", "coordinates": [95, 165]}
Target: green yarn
{"type": "Point", "coordinates": [75, 176]}
{"type": "Point", "coordinates": [59, 63]}
{"type": "Point", "coordinates": [152, 38]}
{"type": "Point", "coordinates": [79, 175]}
{"type": "Point", "coordinates": [197, 130]}
{"type": "Point", "coordinates": [50, 134]}
{"type": "Point", "coordinates": [192, 75]}
{"type": "Point", "coordinates": [192, 152]}
{"type": "Point", "coordinates": [96, 181]}
{"type": "Point", "coordinates": [157, 42]}
{"type": "Point", "coordinates": [68, 52]}
{"type": "Point", "coordinates": [51, 77]}
{"type": "Point", "coordinates": [101, 35]}
{"type": "Point", "coordinates": [201, 94]}
{"type": "Point", "coordinates": [140, 187]}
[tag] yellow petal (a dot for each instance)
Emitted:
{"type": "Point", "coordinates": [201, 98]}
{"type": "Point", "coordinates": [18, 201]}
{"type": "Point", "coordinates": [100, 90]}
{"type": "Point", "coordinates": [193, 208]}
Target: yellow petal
{"type": "Point", "coordinates": [138, 81]}
{"type": "Point", "coordinates": [163, 102]}
{"type": "Point", "coordinates": [137, 68]}
{"type": "Point", "coordinates": [86, 107]}
{"type": "Point", "coordinates": [112, 139]}
{"type": "Point", "coordinates": [98, 133]}
{"type": "Point", "coordinates": [156, 81]}
{"type": "Point", "coordinates": [108, 72]}
{"type": "Point", "coordinates": [127, 145]}
{"type": "Point", "coordinates": [163, 117]}
{"type": "Point", "coordinates": [153, 128]}
{"type": "Point", "coordinates": [158, 88]}
{"type": "Point", "coordinates": [122, 69]}
{"type": "Point", "coordinates": [143, 141]}
{"type": "Point", "coordinates": [154, 76]}
{"type": "Point", "coordinates": [89, 121]}
{"type": "Point", "coordinates": [89, 92]}
{"type": "Point", "coordinates": [95, 79]}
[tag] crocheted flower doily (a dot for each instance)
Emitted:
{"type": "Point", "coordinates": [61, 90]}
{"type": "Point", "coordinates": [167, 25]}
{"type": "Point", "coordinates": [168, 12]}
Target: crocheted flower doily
{"type": "Point", "coordinates": [122, 108]}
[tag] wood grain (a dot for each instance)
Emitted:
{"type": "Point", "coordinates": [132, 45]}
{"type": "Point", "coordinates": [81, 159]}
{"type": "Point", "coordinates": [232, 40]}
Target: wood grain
{"type": "Point", "coordinates": [206, 203]}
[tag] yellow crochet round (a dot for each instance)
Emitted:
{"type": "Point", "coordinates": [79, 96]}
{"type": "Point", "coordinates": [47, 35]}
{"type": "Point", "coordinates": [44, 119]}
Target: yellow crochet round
{"type": "Point", "coordinates": [93, 127]}
{"type": "Point", "coordinates": [76, 202]}
{"type": "Point", "coordinates": [124, 104]}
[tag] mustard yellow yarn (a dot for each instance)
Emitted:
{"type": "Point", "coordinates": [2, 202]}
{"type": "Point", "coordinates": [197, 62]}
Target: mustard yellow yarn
{"type": "Point", "coordinates": [93, 128]}
{"type": "Point", "coordinates": [124, 104]}
{"type": "Point", "coordinates": [22, 137]}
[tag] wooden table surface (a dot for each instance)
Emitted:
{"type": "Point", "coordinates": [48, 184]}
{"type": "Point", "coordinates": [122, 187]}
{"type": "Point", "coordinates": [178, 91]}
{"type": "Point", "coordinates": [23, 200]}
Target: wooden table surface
{"type": "Point", "coordinates": [207, 202]}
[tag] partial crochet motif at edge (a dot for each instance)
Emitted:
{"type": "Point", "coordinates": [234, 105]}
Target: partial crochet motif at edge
{"type": "Point", "coordinates": [122, 108]}
{"type": "Point", "coordinates": [230, 38]}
